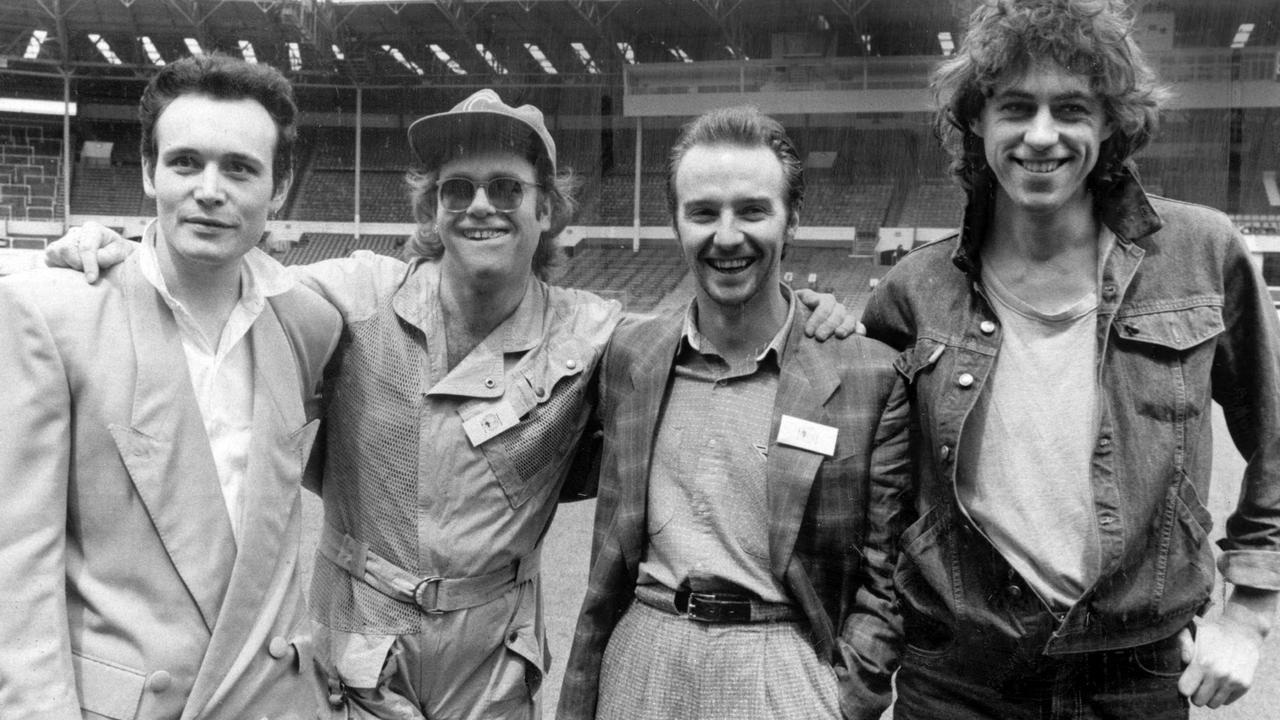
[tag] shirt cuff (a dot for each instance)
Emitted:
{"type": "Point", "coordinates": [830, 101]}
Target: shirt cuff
{"type": "Point", "coordinates": [1251, 568]}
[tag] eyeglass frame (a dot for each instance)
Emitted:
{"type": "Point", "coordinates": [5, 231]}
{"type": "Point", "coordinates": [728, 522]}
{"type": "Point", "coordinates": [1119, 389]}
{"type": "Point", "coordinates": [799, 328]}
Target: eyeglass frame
{"type": "Point", "coordinates": [476, 185]}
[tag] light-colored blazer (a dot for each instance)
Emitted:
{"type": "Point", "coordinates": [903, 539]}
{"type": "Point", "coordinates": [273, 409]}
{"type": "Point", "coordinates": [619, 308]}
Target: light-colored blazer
{"type": "Point", "coordinates": [123, 593]}
{"type": "Point", "coordinates": [833, 521]}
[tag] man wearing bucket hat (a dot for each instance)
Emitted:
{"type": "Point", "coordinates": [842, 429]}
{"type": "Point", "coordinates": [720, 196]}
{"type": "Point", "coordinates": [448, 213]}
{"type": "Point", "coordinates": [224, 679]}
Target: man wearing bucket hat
{"type": "Point", "coordinates": [455, 404]}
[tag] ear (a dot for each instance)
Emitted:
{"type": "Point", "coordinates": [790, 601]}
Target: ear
{"type": "Point", "coordinates": [544, 211]}
{"type": "Point", "coordinates": [148, 178]}
{"type": "Point", "coordinates": [976, 127]}
{"type": "Point", "coordinates": [281, 192]}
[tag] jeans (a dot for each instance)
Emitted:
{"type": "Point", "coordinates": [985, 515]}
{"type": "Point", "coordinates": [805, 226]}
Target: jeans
{"type": "Point", "coordinates": [1139, 682]}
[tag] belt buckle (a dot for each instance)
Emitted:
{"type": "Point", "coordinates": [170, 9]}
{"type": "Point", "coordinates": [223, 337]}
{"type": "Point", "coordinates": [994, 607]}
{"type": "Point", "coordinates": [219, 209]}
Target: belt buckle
{"type": "Point", "coordinates": [428, 586]}
{"type": "Point", "coordinates": [707, 607]}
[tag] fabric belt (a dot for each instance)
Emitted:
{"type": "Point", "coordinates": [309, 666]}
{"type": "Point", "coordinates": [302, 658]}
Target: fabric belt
{"type": "Point", "coordinates": [431, 593]}
{"type": "Point", "coordinates": [715, 607]}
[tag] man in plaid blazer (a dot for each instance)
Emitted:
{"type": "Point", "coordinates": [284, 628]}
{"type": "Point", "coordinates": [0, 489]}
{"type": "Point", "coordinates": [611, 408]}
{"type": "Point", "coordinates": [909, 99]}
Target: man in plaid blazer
{"type": "Point", "coordinates": [752, 479]}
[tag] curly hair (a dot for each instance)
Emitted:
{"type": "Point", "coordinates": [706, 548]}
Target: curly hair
{"type": "Point", "coordinates": [1087, 37]}
{"type": "Point", "coordinates": [556, 192]}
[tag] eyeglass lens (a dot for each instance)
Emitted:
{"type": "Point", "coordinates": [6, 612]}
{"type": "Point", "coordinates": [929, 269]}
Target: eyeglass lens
{"type": "Point", "coordinates": [505, 194]}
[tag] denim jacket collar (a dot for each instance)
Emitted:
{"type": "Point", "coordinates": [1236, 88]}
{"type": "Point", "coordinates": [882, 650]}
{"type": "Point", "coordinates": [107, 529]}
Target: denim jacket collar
{"type": "Point", "coordinates": [1123, 207]}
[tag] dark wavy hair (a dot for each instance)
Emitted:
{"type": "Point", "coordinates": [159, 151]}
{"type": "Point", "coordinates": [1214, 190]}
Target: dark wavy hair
{"type": "Point", "coordinates": [556, 193]}
{"type": "Point", "coordinates": [1088, 37]}
{"type": "Point", "coordinates": [744, 126]}
{"type": "Point", "coordinates": [225, 78]}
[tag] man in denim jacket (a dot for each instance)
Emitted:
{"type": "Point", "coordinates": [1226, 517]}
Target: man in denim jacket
{"type": "Point", "coordinates": [1062, 351]}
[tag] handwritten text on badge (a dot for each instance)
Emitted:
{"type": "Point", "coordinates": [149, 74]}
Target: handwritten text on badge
{"type": "Point", "coordinates": [807, 435]}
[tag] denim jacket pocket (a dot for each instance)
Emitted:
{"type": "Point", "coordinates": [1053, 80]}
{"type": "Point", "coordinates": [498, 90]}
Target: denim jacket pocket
{"type": "Point", "coordinates": [1186, 576]}
{"type": "Point", "coordinates": [923, 567]}
{"type": "Point", "coordinates": [1177, 329]}
{"type": "Point", "coordinates": [917, 358]}
{"type": "Point", "coordinates": [548, 394]}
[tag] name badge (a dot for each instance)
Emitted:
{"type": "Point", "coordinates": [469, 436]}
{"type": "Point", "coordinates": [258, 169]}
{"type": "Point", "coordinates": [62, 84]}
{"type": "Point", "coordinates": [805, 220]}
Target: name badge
{"type": "Point", "coordinates": [807, 435]}
{"type": "Point", "coordinates": [491, 421]}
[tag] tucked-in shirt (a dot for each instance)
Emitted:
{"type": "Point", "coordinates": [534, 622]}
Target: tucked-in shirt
{"type": "Point", "coordinates": [221, 368]}
{"type": "Point", "coordinates": [1024, 468]}
{"type": "Point", "coordinates": [707, 509]}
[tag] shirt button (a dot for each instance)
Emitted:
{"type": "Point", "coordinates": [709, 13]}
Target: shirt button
{"type": "Point", "coordinates": [965, 380]}
{"type": "Point", "coordinates": [159, 681]}
{"type": "Point", "coordinates": [279, 647]}
{"type": "Point", "coordinates": [489, 383]}
{"type": "Point", "coordinates": [987, 327]}
{"type": "Point", "coordinates": [1104, 442]}
{"type": "Point", "coordinates": [945, 452]}
{"type": "Point", "coordinates": [571, 364]}
{"type": "Point", "coordinates": [1109, 290]}
{"type": "Point", "coordinates": [1014, 591]}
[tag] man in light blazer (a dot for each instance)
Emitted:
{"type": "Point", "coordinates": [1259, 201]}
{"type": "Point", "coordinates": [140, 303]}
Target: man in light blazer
{"type": "Point", "coordinates": [157, 426]}
{"type": "Point", "coordinates": [751, 482]}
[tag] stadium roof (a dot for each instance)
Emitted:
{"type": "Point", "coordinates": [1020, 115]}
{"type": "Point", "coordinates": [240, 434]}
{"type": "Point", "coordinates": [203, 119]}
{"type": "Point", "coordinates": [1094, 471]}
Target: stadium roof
{"type": "Point", "coordinates": [417, 42]}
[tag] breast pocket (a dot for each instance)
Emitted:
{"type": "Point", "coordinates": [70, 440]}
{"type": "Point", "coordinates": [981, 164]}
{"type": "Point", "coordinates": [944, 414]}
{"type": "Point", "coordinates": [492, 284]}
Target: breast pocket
{"type": "Point", "coordinates": [549, 396]}
{"type": "Point", "coordinates": [1165, 357]}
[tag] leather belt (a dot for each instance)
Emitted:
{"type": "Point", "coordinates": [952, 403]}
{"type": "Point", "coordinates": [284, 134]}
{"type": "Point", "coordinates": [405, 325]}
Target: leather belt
{"type": "Point", "coordinates": [715, 607]}
{"type": "Point", "coordinates": [432, 593]}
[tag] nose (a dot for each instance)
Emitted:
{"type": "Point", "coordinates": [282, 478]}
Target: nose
{"type": "Point", "coordinates": [1042, 131]}
{"type": "Point", "coordinates": [209, 191]}
{"type": "Point", "coordinates": [727, 233]}
{"type": "Point", "coordinates": [480, 205]}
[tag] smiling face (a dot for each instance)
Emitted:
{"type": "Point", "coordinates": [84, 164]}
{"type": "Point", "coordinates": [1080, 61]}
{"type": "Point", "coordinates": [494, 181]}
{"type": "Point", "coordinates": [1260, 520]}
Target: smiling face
{"type": "Point", "coordinates": [1042, 131]}
{"type": "Point", "coordinates": [732, 222]}
{"type": "Point", "coordinates": [482, 245]}
{"type": "Point", "coordinates": [212, 181]}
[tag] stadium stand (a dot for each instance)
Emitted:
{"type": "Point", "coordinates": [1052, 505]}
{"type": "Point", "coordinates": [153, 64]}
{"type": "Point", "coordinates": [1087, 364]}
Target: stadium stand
{"type": "Point", "coordinates": [639, 280]}
{"type": "Point", "coordinates": [313, 247]}
{"type": "Point", "coordinates": [30, 160]}
{"type": "Point", "coordinates": [932, 204]}
{"type": "Point", "coordinates": [831, 270]}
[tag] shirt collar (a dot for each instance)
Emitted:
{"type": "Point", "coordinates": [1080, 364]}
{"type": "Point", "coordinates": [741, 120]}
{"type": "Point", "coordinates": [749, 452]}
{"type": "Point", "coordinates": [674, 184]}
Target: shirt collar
{"type": "Point", "coordinates": [260, 276]}
{"type": "Point", "coordinates": [1123, 207]}
{"type": "Point", "coordinates": [693, 338]}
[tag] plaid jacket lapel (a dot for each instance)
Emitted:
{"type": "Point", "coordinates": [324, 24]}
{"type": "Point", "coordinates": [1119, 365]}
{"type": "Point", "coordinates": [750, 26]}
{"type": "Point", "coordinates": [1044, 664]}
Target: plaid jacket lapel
{"type": "Point", "coordinates": [805, 383]}
{"type": "Point", "coordinates": [651, 362]}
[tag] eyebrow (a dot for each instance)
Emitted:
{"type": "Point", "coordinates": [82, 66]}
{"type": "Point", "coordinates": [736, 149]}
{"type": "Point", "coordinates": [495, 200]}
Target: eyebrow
{"type": "Point", "coordinates": [234, 156]}
{"type": "Point", "coordinates": [1024, 95]}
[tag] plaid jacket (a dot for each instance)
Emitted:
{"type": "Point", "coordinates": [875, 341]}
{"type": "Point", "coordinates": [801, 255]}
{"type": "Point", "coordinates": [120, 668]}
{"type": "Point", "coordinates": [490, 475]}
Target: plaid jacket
{"type": "Point", "coordinates": [833, 521]}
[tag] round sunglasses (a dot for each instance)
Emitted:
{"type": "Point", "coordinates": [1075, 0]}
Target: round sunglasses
{"type": "Point", "coordinates": [504, 193]}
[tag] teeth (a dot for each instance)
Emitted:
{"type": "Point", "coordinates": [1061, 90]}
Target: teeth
{"type": "Point", "coordinates": [483, 234]}
{"type": "Point", "coordinates": [730, 265]}
{"type": "Point", "coordinates": [1041, 166]}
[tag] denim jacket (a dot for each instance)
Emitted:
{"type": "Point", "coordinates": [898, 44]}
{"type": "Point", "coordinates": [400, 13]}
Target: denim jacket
{"type": "Point", "coordinates": [1183, 318]}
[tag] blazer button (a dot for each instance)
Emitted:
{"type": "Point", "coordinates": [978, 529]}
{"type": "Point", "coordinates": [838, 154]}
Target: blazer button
{"type": "Point", "coordinates": [159, 681]}
{"type": "Point", "coordinates": [987, 327]}
{"type": "Point", "coordinates": [279, 647]}
{"type": "Point", "coordinates": [945, 452]}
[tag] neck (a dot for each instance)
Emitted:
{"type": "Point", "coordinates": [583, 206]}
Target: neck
{"type": "Point", "coordinates": [475, 310]}
{"type": "Point", "coordinates": [1049, 261]}
{"type": "Point", "coordinates": [740, 331]}
{"type": "Point", "coordinates": [1041, 236]}
{"type": "Point", "coordinates": [209, 293]}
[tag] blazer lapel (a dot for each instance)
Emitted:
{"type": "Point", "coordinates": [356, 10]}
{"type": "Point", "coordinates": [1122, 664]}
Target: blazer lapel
{"type": "Point", "coordinates": [805, 383]}
{"type": "Point", "coordinates": [259, 588]}
{"type": "Point", "coordinates": [638, 417]}
{"type": "Point", "coordinates": [166, 451]}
